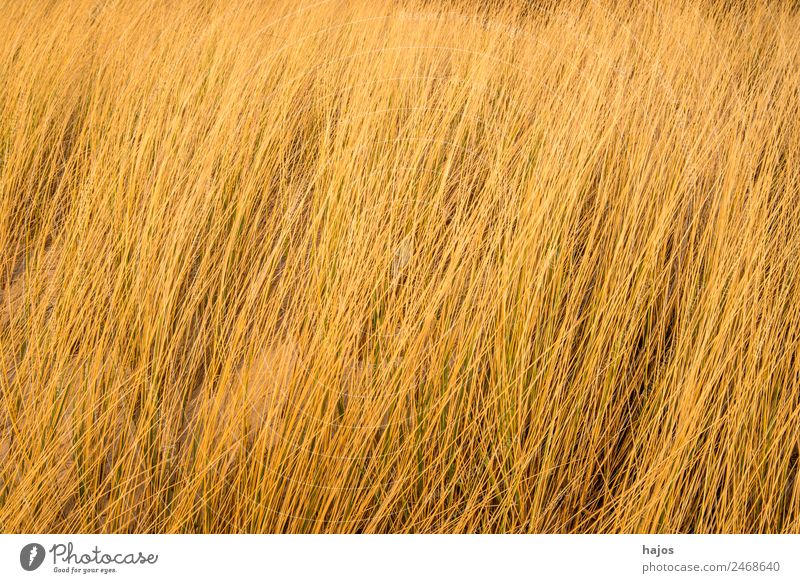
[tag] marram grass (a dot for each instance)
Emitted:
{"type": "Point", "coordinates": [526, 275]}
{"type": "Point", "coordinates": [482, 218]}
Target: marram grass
{"type": "Point", "coordinates": [362, 266]}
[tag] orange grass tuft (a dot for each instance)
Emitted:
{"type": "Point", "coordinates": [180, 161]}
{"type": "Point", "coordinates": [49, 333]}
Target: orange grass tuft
{"type": "Point", "coordinates": [353, 266]}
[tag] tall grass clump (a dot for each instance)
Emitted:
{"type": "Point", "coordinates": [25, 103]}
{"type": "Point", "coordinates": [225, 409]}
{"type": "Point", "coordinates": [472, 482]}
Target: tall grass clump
{"type": "Point", "coordinates": [418, 266]}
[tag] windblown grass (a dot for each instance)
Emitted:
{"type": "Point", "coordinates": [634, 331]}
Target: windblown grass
{"type": "Point", "coordinates": [269, 266]}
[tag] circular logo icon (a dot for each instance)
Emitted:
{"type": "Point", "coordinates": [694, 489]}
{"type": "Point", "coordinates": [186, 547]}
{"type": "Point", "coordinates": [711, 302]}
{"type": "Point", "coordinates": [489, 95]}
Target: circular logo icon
{"type": "Point", "coordinates": [31, 556]}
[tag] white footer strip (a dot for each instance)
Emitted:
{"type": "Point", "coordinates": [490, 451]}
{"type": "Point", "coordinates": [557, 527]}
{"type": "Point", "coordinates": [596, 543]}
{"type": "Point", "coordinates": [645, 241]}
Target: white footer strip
{"type": "Point", "coordinates": [407, 558]}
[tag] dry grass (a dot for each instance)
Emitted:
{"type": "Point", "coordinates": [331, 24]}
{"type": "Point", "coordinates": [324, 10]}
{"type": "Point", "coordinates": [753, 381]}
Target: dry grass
{"type": "Point", "coordinates": [380, 267]}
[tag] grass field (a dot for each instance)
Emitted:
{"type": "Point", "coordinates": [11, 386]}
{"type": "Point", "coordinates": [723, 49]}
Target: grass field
{"type": "Point", "coordinates": [423, 266]}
